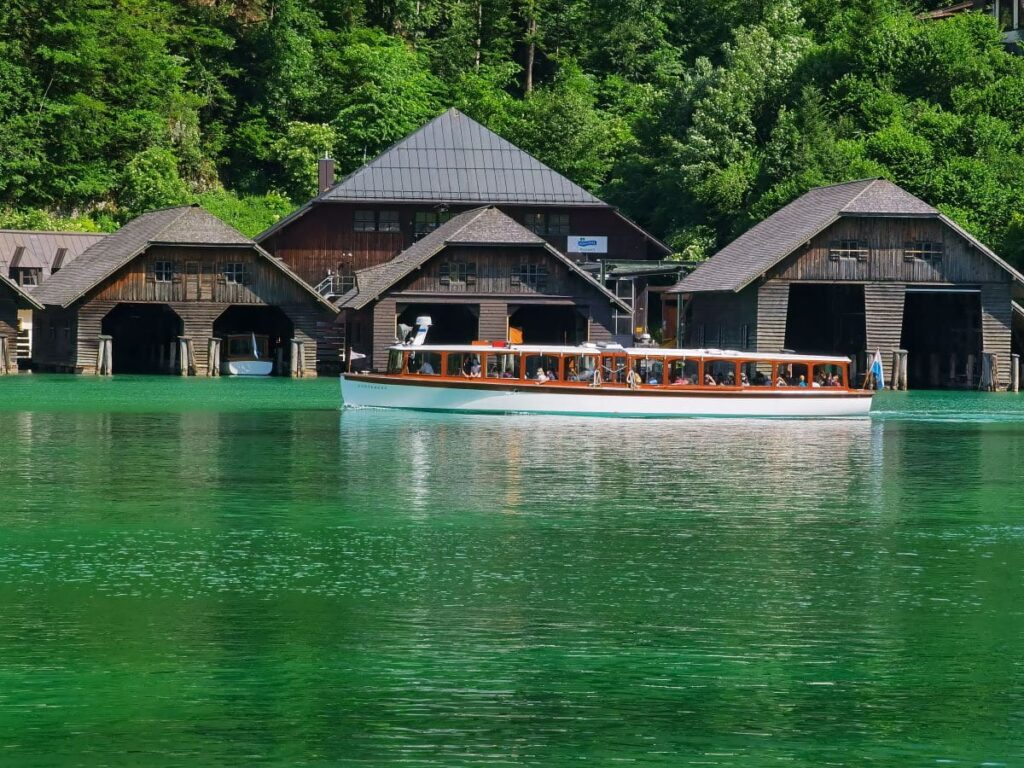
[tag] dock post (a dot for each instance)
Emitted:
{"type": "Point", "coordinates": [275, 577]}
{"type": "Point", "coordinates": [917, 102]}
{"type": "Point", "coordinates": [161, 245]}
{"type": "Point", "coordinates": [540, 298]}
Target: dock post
{"type": "Point", "coordinates": [989, 371]}
{"type": "Point", "coordinates": [970, 371]}
{"type": "Point", "coordinates": [903, 369]}
{"type": "Point", "coordinates": [952, 368]}
{"type": "Point", "coordinates": [172, 356]}
{"type": "Point", "coordinates": [4, 366]}
{"type": "Point", "coordinates": [895, 370]}
{"type": "Point", "coordinates": [105, 356]}
{"type": "Point", "coordinates": [1015, 373]}
{"type": "Point", "coordinates": [213, 356]}
{"type": "Point", "coordinates": [293, 368]}
{"type": "Point", "coordinates": [182, 356]}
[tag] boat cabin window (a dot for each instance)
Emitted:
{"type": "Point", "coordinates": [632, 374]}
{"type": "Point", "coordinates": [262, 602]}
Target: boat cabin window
{"type": "Point", "coordinates": [549, 364]}
{"type": "Point", "coordinates": [651, 370]}
{"type": "Point", "coordinates": [396, 361]}
{"type": "Point", "coordinates": [466, 364]}
{"type": "Point", "coordinates": [502, 365]}
{"type": "Point", "coordinates": [247, 346]}
{"type": "Point", "coordinates": [425, 363]}
{"type": "Point", "coordinates": [580, 368]}
{"type": "Point", "coordinates": [683, 373]}
{"type": "Point", "coordinates": [792, 375]}
{"type": "Point", "coordinates": [613, 369]}
{"type": "Point", "coordinates": [755, 374]}
{"type": "Point", "coordinates": [721, 373]}
{"type": "Point", "coordinates": [829, 375]}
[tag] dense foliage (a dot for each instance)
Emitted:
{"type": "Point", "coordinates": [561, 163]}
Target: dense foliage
{"type": "Point", "coordinates": [695, 118]}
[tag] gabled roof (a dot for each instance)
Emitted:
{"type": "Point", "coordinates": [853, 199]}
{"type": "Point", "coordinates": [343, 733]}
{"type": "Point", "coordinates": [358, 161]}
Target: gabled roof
{"type": "Point", "coordinates": [40, 248]}
{"type": "Point", "coordinates": [480, 226]}
{"type": "Point", "coordinates": [20, 292]}
{"type": "Point", "coordinates": [455, 159]}
{"type": "Point", "coordinates": [182, 225]}
{"type": "Point", "coordinates": [770, 241]}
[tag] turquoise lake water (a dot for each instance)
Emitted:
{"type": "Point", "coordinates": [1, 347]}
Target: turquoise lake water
{"type": "Point", "coordinates": [223, 572]}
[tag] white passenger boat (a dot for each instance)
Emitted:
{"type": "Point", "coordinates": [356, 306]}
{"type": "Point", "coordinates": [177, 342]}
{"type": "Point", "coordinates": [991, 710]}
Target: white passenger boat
{"type": "Point", "coordinates": [248, 355]}
{"type": "Point", "coordinates": [607, 380]}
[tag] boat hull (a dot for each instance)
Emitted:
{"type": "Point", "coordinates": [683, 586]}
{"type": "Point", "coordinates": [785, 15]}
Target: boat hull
{"type": "Point", "coordinates": [370, 391]}
{"type": "Point", "coordinates": [250, 367]}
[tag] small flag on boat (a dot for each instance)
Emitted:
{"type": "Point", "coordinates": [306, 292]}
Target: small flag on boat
{"type": "Point", "coordinates": [877, 374]}
{"type": "Point", "coordinates": [255, 349]}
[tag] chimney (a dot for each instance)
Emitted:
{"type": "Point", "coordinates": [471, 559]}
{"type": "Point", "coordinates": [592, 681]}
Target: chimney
{"type": "Point", "coordinates": [325, 174]}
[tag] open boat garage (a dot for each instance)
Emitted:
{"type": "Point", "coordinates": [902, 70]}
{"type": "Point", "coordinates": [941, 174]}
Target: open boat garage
{"type": "Point", "coordinates": [161, 294]}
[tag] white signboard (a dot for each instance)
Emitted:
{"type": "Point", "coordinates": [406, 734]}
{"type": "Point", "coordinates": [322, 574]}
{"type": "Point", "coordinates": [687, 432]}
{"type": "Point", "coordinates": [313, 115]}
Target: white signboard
{"type": "Point", "coordinates": [588, 244]}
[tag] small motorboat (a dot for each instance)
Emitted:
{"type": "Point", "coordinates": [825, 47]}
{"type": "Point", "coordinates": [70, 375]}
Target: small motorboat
{"type": "Point", "coordinates": [248, 355]}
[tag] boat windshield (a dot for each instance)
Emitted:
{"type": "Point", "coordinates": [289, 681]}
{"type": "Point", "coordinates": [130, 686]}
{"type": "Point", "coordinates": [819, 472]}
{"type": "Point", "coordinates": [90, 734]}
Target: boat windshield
{"type": "Point", "coordinates": [396, 361]}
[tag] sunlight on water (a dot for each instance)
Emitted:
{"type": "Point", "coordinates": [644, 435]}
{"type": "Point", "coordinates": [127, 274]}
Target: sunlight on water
{"type": "Point", "coordinates": [210, 573]}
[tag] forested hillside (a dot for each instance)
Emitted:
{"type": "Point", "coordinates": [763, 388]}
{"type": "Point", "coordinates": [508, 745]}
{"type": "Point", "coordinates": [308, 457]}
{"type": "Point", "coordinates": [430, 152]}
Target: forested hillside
{"type": "Point", "coordinates": [696, 118]}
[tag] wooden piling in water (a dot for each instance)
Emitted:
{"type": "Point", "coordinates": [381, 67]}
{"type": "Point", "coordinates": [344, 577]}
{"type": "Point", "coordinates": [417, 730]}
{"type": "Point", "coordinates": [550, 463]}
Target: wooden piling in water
{"type": "Point", "coordinates": [186, 356]}
{"type": "Point", "coordinates": [989, 371]}
{"type": "Point", "coordinates": [895, 378]}
{"type": "Point", "coordinates": [297, 368]}
{"type": "Point", "coordinates": [105, 356]}
{"type": "Point", "coordinates": [213, 356]}
{"type": "Point", "coordinates": [5, 365]}
{"type": "Point", "coordinates": [1015, 373]}
{"type": "Point", "coordinates": [970, 371]}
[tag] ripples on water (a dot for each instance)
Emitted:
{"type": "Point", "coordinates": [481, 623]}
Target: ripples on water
{"type": "Point", "coordinates": [303, 587]}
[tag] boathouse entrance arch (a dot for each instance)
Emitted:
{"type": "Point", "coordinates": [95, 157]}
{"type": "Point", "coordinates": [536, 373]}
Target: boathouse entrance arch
{"type": "Point", "coordinates": [549, 323]}
{"type": "Point", "coordinates": [270, 321]}
{"type": "Point", "coordinates": [950, 358]}
{"type": "Point", "coordinates": [826, 319]}
{"type": "Point", "coordinates": [142, 336]}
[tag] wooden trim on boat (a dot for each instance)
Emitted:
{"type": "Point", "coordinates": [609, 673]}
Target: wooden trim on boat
{"type": "Point", "coordinates": [582, 388]}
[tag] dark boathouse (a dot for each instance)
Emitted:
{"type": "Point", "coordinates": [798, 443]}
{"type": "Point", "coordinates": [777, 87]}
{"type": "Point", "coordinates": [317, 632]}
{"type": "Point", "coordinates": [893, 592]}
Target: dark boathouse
{"type": "Point", "coordinates": [858, 267]}
{"type": "Point", "coordinates": [480, 275]}
{"type": "Point", "coordinates": [450, 166]}
{"type": "Point", "coordinates": [162, 290]}
{"type": "Point", "coordinates": [13, 300]}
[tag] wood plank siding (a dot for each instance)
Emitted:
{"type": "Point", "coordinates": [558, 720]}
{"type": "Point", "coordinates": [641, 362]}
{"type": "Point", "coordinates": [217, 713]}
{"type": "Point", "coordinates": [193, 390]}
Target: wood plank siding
{"type": "Point", "coordinates": [493, 320]}
{"type": "Point", "coordinates": [8, 315]}
{"type": "Point", "coordinates": [325, 238]}
{"type": "Point", "coordinates": [883, 318]}
{"type": "Point", "coordinates": [885, 260]}
{"type": "Point", "coordinates": [996, 326]}
{"type": "Point", "coordinates": [772, 308]}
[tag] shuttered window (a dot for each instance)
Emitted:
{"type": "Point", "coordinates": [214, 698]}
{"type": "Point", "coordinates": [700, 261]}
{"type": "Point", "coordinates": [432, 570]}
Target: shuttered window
{"type": "Point", "coordinates": [458, 273]}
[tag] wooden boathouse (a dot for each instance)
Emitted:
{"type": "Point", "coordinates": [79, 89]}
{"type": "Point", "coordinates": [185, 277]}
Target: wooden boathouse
{"type": "Point", "coordinates": [451, 165]}
{"type": "Point", "coordinates": [477, 276]}
{"type": "Point", "coordinates": [13, 300]}
{"type": "Point", "coordinates": [858, 267]}
{"type": "Point", "coordinates": [158, 295]}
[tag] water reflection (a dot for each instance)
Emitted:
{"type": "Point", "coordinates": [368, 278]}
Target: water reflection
{"type": "Point", "coordinates": [380, 588]}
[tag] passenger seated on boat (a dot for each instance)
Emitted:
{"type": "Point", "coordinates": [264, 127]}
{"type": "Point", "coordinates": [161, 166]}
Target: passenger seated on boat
{"type": "Point", "coordinates": [552, 374]}
{"type": "Point", "coordinates": [730, 379]}
{"type": "Point", "coordinates": [743, 379]}
{"type": "Point", "coordinates": [709, 380]}
{"type": "Point", "coordinates": [474, 369]}
{"type": "Point", "coordinates": [781, 381]}
{"type": "Point", "coordinates": [426, 368]}
{"type": "Point", "coordinates": [802, 382]}
{"type": "Point", "coordinates": [541, 377]}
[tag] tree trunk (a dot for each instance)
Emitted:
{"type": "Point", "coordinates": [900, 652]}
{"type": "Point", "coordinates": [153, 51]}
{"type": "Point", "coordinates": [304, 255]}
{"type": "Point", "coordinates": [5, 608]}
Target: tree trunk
{"type": "Point", "coordinates": [479, 31]}
{"type": "Point", "coordinates": [531, 51]}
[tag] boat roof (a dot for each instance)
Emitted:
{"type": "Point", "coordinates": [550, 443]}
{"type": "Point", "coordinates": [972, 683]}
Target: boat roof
{"type": "Point", "coordinates": [554, 349]}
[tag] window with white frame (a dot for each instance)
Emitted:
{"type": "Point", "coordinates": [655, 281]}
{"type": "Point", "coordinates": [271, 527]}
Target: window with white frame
{"type": "Point", "coordinates": [849, 249]}
{"type": "Point", "coordinates": [237, 273]}
{"type": "Point", "coordinates": [925, 250]}
{"type": "Point", "coordinates": [163, 271]}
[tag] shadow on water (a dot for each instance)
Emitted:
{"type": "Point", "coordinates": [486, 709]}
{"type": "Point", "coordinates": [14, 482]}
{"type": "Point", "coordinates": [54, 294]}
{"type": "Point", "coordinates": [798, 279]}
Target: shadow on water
{"type": "Point", "coordinates": [218, 584]}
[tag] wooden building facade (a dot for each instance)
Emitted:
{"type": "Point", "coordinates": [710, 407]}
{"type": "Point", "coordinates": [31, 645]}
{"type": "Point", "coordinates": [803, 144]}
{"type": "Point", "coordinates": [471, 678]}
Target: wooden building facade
{"type": "Point", "coordinates": [451, 166]}
{"type": "Point", "coordinates": [479, 276]}
{"type": "Point", "coordinates": [170, 275]}
{"type": "Point", "coordinates": [855, 268]}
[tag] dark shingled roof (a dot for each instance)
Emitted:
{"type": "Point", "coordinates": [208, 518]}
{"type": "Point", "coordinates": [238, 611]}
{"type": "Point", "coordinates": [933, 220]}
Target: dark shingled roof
{"type": "Point", "coordinates": [770, 241]}
{"type": "Point", "coordinates": [481, 226]}
{"type": "Point", "coordinates": [40, 248]}
{"type": "Point", "coordinates": [183, 225]}
{"type": "Point", "coordinates": [455, 159]}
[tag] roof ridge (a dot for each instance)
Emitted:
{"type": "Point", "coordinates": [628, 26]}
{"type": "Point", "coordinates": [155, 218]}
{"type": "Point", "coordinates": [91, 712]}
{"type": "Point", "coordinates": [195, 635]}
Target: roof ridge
{"type": "Point", "coordinates": [52, 232]}
{"type": "Point", "coordinates": [477, 213]}
{"type": "Point", "coordinates": [845, 183]}
{"type": "Point", "coordinates": [856, 197]}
